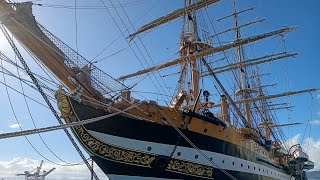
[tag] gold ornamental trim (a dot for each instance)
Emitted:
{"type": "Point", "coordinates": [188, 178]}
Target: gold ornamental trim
{"type": "Point", "coordinates": [96, 146]}
{"type": "Point", "coordinates": [190, 168]}
{"type": "Point", "coordinates": [121, 155]}
{"type": "Point", "coordinates": [111, 152]}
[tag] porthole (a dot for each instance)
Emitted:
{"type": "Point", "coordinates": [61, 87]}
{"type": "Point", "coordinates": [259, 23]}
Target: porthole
{"type": "Point", "coordinates": [241, 165]}
{"type": "Point", "coordinates": [259, 169]}
{"type": "Point", "coordinates": [222, 161]}
{"type": "Point", "coordinates": [254, 168]}
{"type": "Point", "coordinates": [149, 148]}
{"type": "Point", "coordinates": [211, 159]}
{"type": "Point", "coordinates": [179, 154]}
{"type": "Point", "coordinates": [205, 130]}
{"type": "Point", "coordinates": [233, 163]}
{"type": "Point", "coordinates": [248, 167]}
{"type": "Point", "coordinates": [196, 156]}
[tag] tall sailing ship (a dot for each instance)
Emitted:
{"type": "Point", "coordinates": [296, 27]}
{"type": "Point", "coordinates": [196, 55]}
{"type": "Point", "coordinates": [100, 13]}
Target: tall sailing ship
{"type": "Point", "coordinates": [195, 136]}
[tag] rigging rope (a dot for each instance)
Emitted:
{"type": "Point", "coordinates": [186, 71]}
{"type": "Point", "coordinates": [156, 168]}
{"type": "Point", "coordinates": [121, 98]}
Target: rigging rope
{"type": "Point", "coordinates": [27, 82]}
{"type": "Point", "coordinates": [122, 33]}
{"type": "Point", "coordinates": [226, 94]}
{"type": "Point", "coordinates": [34, 124]}
{"type": "Point", "coordinates": [143, 45]}
{"type": "Point", "coordinates": [26, 67]}
{"type": "Point", "coordinates": [86, 7]}
{"type": "Point", "coordinates": [18, 122]}
{"type": "Point", "coordinates": [60, 127]}
{"type": "Point", "coordinates": [76, 24]}
{"type": "Point", "coordinates": [118, 38]}
{"type": "Point", "coordinates": [195, 147]}
{"type": "Point", "coordinates": [23, 94]}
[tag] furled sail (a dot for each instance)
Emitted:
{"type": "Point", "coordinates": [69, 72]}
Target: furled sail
{"type": "Point", "coordinates": [174, 15]}
{"type": "Point", "coordinates": [209, 51]}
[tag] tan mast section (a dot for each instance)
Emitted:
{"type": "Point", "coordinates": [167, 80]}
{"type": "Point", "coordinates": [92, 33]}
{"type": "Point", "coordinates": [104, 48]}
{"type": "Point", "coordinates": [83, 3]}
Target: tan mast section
{"type": "Point", "coordinates": [174, 15]}
{"type": "Point", "coordinates": [209, 51]}
{"type": "Point", "coordinates": [250, 62]}
{"type": "Point", "coordinates": [243, 91]}
{"type": "Point", "coordinates": [290, 93]}
{"type": "Point", "coordinates": [39, 44]}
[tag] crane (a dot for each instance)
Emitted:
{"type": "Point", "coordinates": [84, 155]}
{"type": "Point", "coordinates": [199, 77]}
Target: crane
{"type": "Point", "coordinates": [36, 175]}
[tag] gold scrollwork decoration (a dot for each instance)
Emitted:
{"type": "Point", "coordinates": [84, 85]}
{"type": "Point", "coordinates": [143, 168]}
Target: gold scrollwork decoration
{"type": "Point", "coordinates": [114, 153]}
{"type": "Point", "coordinates": [123, 155]}
{"type": "Point", "coordinates": [190, 168]}
{"type": "Point", "coordinates": [96, 146]}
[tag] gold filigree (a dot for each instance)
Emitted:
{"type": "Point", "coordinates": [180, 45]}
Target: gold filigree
{"type": "Point", "coordinates": [190, 168]}
{"type": "Point", "coordinates": [114, 153]}
{"type": "Point", "coordinates": [96, 146]}
{"type": "Point", "coordinates": [110, 152]}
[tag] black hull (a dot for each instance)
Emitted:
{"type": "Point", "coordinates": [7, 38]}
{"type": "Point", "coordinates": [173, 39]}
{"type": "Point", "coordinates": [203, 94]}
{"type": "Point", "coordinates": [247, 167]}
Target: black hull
{"type": "Point", "coordinates": [111, 167]}
{"type": "Point", "coordinates": [158, 165]}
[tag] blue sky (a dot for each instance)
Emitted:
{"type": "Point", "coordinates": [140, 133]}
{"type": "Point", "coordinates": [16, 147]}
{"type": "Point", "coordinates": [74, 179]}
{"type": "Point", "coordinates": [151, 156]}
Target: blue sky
{"type": "Point", "coordinates": [96, 29]}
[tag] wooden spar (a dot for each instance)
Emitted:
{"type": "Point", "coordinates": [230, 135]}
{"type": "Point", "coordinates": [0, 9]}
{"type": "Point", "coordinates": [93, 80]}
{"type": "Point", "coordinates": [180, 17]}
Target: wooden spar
{"type": "Point", "coordinates": [240, 26]}
{"type": "Point", "coordinates": [21, 23]}
{"type": "Point", "coordinates": [259, 75]}
{"type": "Point", "coordinates": [280, 108]}
{"type": "Point", "coordinates": [281, 125]}
{"type": "Point", "coordinates": [246, 63]}
{"type": "Point", "coordinates": [224, 109]}
{"type": "Point", "coordinates": [249, 9]}
{"type": "Point", "coordinates": [174, 15]}
{"type": "Point", "coordinates": [278, 104]}
{"type": "Point", "coordinates": [264, 86]}
{"type": "Point", "coordinates": [272, 96]}
{"type": "Point", "coordinates": [209, 51]}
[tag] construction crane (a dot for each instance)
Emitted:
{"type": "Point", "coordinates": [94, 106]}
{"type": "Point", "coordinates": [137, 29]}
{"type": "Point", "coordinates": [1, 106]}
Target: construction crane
{"type": "Point", "coordinates": [36, 175]}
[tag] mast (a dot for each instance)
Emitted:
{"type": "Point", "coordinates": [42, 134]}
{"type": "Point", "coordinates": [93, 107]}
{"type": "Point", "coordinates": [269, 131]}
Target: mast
{"type": "Point", "coordinates": [189, 38]}
{"type": "Point", "coordinates": [242, 70]}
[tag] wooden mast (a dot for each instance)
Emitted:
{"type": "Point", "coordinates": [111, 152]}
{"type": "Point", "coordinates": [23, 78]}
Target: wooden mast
{"type": "Point", "coordinates": [242, 70]}
{"type": "Point", "coordinates": [290, 93]}
{"type": "Point", "coordinates": [190, 50]}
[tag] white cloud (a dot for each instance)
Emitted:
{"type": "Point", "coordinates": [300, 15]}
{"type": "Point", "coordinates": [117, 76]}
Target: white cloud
{"type": "Point", "coordinates": [294, 140]}
{"type": "Point", "coordinates": [15, 126]}
{"type": "Point", "coordinates": [8, 169]}
{"type": "Point", "coordinates": [310, 146]}
{"type": "Point", "coordinates": [313, 149]}
{"type": "Point", "coordinates": [315, 122]}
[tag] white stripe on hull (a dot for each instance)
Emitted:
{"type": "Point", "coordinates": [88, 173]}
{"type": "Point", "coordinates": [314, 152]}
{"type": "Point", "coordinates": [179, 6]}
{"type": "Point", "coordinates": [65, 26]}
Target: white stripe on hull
{"type": "Point", "coordinates": [124, 177]}
{"type": "Point", "coordinates": [190, 154]}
